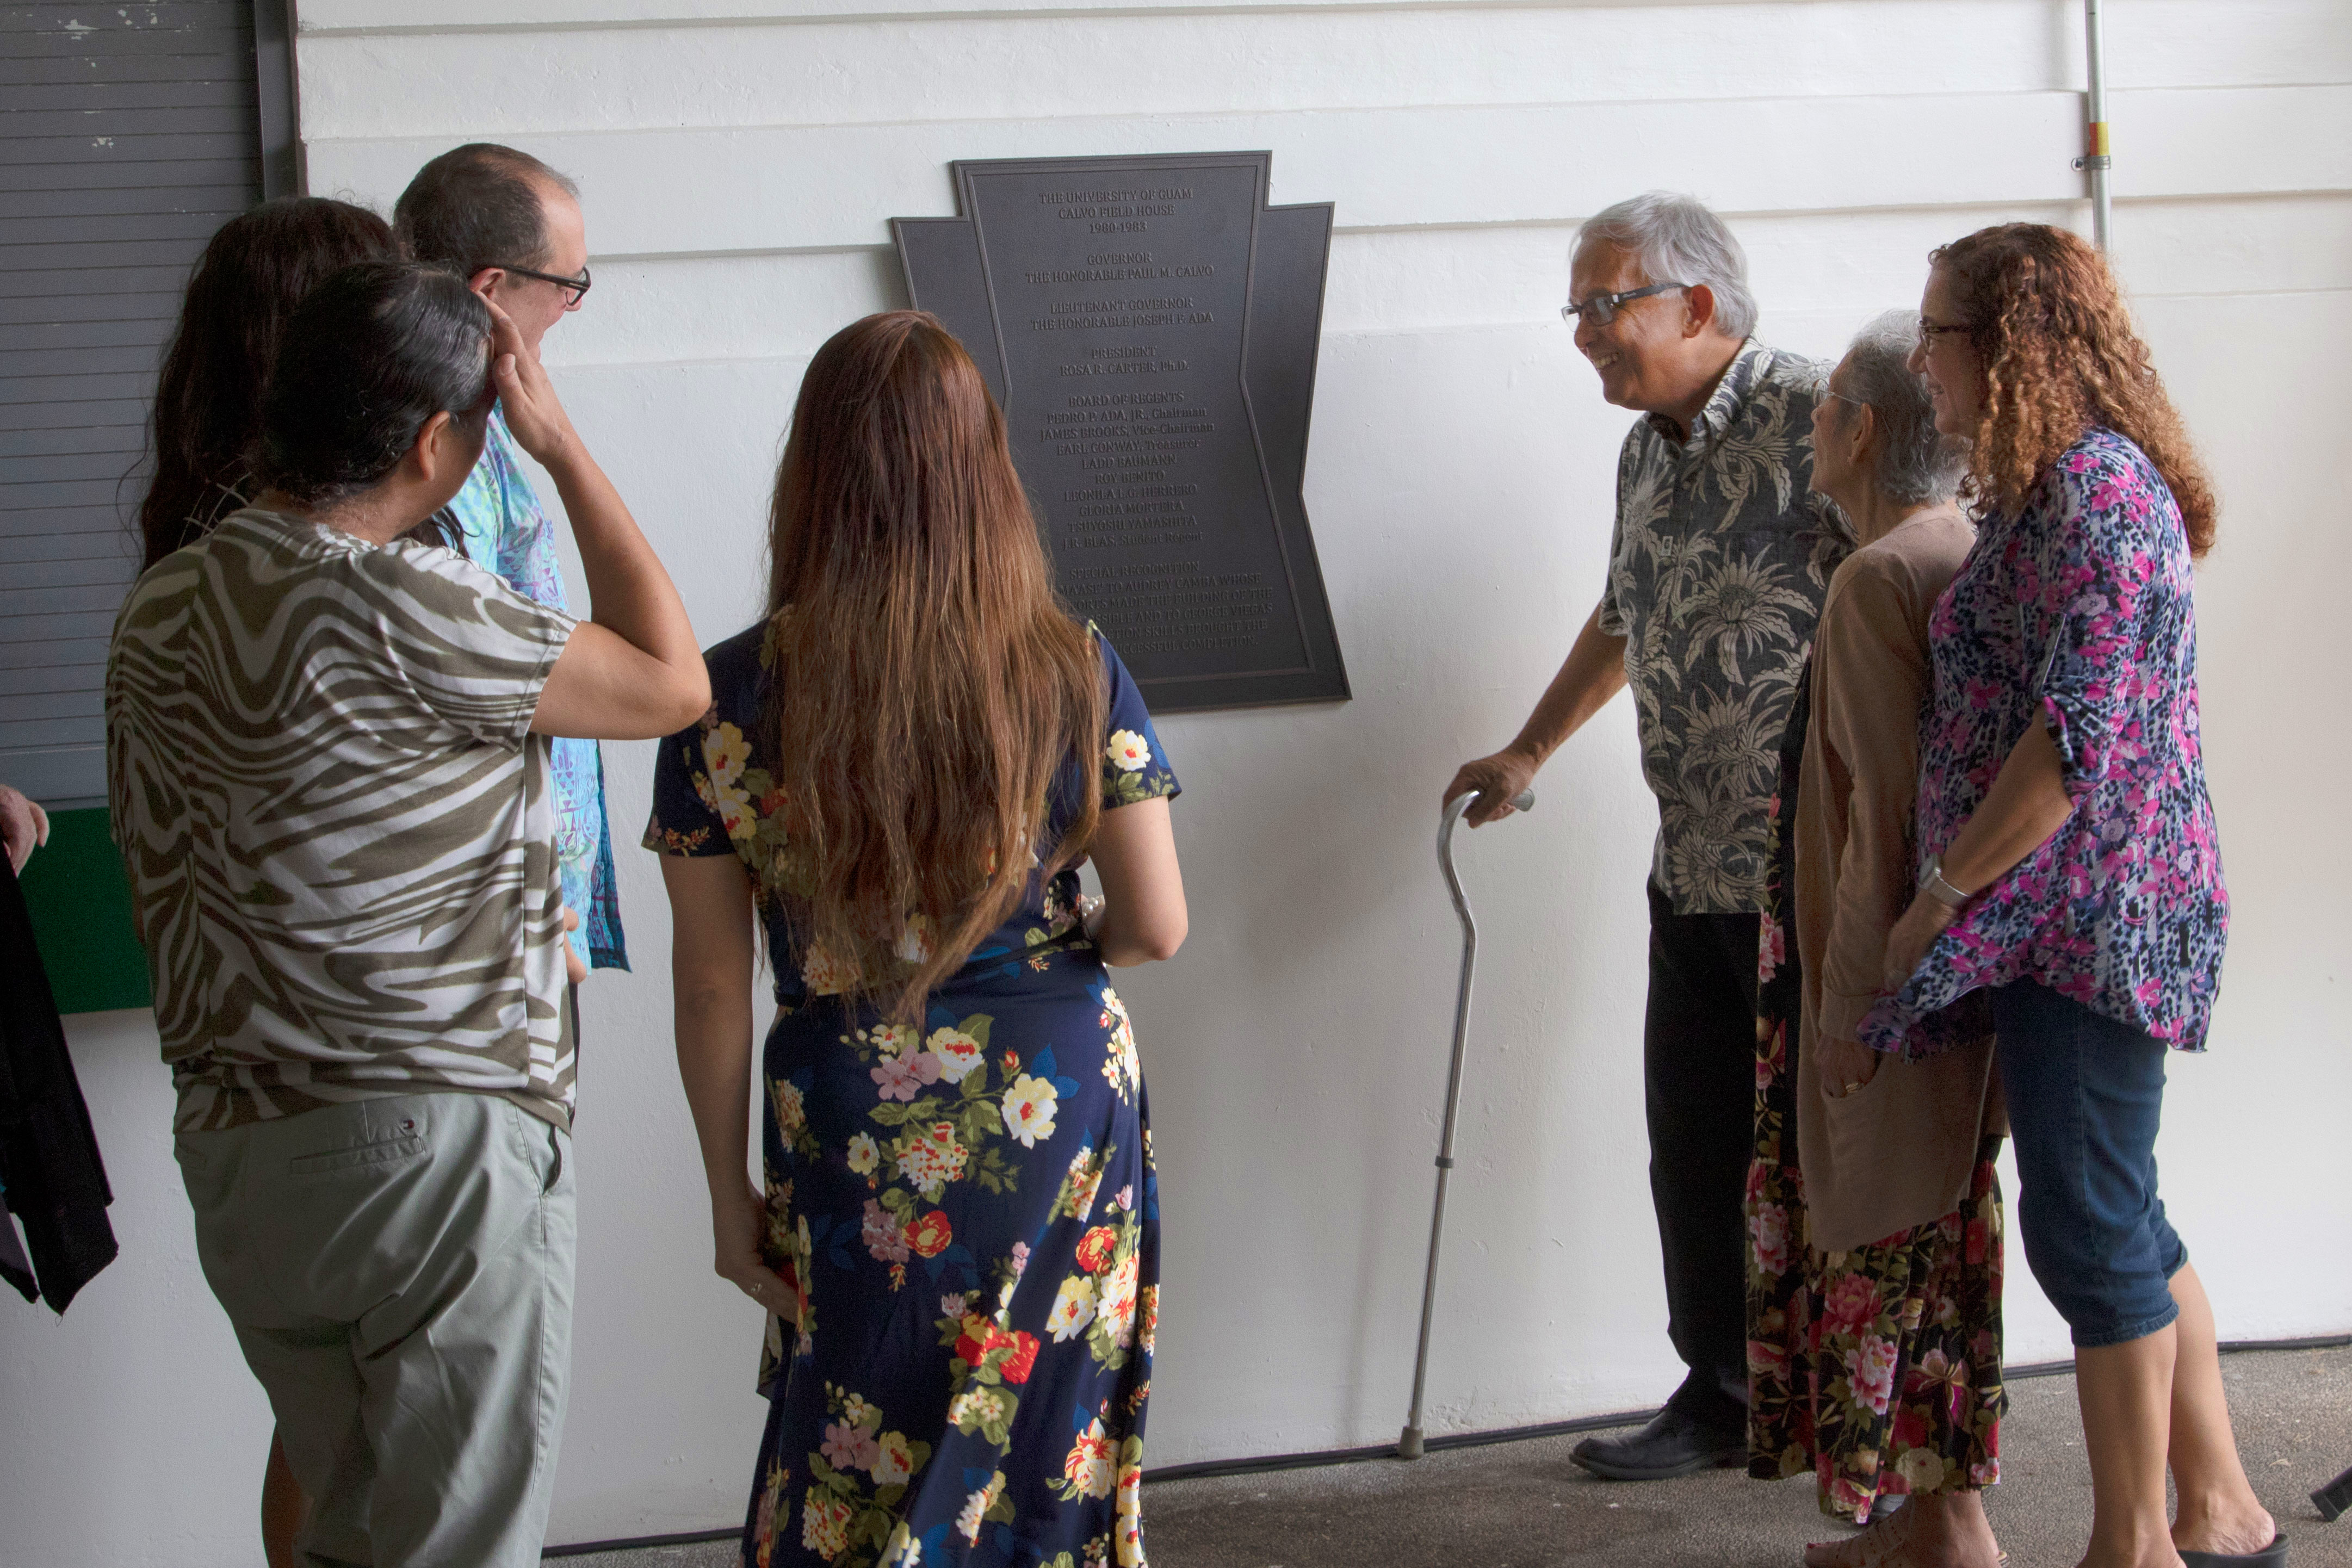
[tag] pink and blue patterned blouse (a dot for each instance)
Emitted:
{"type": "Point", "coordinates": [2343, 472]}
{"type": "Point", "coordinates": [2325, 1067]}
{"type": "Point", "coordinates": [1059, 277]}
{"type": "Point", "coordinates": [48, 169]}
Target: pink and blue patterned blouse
{"type": "Point", "coordinates": [2078, 610]}
{"type": "Point", "coordinates": [506, 532]}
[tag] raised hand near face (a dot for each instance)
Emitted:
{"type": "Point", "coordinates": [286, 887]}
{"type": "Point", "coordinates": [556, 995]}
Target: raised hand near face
{"type": "Point", "coordinates": [533, 412]}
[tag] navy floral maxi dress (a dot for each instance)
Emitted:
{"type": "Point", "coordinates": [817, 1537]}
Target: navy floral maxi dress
{"type": "Point", "coordinates": [965, 1211]}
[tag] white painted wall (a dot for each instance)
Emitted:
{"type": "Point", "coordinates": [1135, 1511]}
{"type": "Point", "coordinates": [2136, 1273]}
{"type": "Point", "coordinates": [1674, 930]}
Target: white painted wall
{"type": "Point", "coordinates": [739, 159]}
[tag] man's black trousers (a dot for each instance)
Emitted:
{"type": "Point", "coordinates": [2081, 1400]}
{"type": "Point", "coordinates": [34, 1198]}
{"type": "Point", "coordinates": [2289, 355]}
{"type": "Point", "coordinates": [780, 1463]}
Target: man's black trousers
{"type": "Point", "coordinates": [1698, 1075]}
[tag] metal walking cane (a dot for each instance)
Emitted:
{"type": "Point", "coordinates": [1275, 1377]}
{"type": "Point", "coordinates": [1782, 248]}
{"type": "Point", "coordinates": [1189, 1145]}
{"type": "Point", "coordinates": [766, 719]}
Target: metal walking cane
{"type": "Point", "coordinates": [1409, 1446]}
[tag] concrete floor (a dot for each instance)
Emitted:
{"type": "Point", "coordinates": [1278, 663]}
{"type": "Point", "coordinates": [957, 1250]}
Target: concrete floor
{"type": "Point", "coordinates": [1524, 1505]}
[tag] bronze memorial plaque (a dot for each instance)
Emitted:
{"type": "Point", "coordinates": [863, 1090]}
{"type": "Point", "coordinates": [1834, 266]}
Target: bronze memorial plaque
{"type": "Point", "coordinates": [1150, 326]}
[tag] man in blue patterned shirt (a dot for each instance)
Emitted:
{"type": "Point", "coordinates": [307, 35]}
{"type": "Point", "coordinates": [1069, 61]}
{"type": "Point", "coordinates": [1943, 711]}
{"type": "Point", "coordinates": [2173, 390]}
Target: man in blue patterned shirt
{"type": "Point", "coordinates": [512, 226]}
{"type": "Point", "coordinates": [1717, 566]}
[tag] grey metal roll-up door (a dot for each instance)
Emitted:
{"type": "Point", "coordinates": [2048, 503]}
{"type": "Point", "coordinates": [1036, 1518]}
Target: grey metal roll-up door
{"type": "Point", "coordinates": [128, 134]}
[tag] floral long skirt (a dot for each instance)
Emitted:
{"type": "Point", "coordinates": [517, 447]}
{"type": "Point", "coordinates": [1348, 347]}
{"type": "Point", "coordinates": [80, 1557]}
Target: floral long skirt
{"type": "Point", "coordinates": [969, 1219]}
{"type": "Point", "coordinates": [1876, 1369]}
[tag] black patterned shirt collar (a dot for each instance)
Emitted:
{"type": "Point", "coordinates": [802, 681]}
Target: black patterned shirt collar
{"type": "Point", "coordinates": [1723, 405]}
{"type": "Point", "coordinates": [1718, 565]}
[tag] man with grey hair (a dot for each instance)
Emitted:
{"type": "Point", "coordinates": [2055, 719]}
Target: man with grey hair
{"type": "Point", "coordinates": [1717, 568]}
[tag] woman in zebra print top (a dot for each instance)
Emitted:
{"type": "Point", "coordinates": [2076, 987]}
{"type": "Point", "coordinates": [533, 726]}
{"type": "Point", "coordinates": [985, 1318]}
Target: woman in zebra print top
{"type": "Point", "coordinates": [327, 761]}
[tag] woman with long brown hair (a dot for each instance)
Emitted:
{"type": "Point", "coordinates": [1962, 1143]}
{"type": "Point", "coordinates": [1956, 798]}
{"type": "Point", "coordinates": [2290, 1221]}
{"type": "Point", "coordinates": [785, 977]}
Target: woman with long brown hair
{"type": "Point", "coordinates": [2070, 864]}
{"type": "Point", "coordinates": [207, 415]}
{"type": "Point", "coordinates": [904, 762]}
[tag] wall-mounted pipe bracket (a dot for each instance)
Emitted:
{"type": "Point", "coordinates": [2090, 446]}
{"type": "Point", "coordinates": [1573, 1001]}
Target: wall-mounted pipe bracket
{"type": "Point", "coordinates": [2095, 161]}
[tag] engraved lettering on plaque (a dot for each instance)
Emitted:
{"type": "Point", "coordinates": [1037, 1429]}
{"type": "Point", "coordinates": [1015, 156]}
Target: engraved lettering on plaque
{"type": "Point", "coordinates": [1150, 327]}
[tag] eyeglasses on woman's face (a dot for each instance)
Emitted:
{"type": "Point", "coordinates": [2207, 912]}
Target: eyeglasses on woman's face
{"type": "Point", "coordinates": [1931, 330]}
{"type": "Point", "coordinates": [575, 290]}
{"type": "Point", "coordinates": [1601, 308]}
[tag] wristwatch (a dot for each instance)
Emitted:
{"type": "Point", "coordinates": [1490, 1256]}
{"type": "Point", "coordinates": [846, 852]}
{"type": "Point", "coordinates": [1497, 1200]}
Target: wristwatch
{"type": "Point", "coordinates": [1933, 884]}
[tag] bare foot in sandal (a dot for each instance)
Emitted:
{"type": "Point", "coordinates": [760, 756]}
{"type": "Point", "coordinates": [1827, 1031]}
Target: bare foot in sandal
{"type": "Point", "coordinates": [1936, 1530]}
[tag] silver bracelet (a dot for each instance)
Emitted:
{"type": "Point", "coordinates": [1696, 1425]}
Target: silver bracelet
{"type": "Point", "coordinates": [1933, 883]}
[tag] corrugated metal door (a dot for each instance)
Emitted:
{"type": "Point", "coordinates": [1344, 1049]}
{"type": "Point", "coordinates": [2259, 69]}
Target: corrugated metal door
{"type": "Point", "coordinates": [128, 133]}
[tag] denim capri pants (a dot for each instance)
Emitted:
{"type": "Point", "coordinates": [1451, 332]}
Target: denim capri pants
{"type": "Point", "coordinates": [2085, 1094]}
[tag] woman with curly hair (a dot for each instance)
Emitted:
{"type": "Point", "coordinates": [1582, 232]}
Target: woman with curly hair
{"type": "Point", "coordinates": [2070, 864]}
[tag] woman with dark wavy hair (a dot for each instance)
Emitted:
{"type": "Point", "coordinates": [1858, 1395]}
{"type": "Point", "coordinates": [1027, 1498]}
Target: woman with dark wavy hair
{"type": "Point", "coordinates": [202, 433]}
{"type": "Point", "coordinates": [907, 757]}
{"type": "Point", "coordinates": [207, 413]}
{"type": "Point", "coordinates": [2071, 866]}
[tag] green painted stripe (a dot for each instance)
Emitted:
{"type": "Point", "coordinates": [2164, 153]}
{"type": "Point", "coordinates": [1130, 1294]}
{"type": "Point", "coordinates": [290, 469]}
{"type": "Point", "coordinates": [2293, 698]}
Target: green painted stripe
{"type": "Point", "coordinates": [81, 916]}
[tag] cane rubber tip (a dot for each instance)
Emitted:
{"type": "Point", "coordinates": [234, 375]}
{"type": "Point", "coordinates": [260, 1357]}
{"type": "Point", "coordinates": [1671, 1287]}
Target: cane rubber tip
{"type": "Point", "coordinates": [1409, 1446]}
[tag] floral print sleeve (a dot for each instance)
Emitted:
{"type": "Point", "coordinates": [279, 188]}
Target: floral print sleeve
{"type": "Point", "coordinates": [1134, 768]}
{"type": "Point", "coordinates": [699, 801]}
{"type": "Point", "coordinates": [2095, 582]}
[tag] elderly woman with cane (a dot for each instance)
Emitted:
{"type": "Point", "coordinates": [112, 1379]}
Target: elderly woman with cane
{"type": "Point", "coordinates": [2070, 867]}
{"type": "Point", "coordinates": [1873, 1217]}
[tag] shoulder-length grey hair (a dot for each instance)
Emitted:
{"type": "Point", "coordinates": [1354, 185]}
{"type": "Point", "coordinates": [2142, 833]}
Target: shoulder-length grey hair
{"type": "Point", "coordinates": [1915, 463]}
{"type": "Point", "coordinates": [1677, 240]}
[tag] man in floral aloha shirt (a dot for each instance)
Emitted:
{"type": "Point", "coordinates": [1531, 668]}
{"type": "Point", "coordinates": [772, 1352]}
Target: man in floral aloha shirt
{"type": "Point", "coordinates": [1718, 565]}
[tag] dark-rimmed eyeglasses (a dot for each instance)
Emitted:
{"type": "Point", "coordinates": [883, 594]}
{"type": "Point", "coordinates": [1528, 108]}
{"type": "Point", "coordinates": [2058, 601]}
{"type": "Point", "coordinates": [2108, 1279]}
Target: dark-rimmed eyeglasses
{"type": "Point", "coordinates": [1601, 308]}
{"type": "Point", "coordinates": [1929, 331]}
{"type": "Point", "coordinates": [575, 290]}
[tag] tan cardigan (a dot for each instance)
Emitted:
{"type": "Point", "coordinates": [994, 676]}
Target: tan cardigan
{"type": "Point", "coordinates": [1900, 1152]}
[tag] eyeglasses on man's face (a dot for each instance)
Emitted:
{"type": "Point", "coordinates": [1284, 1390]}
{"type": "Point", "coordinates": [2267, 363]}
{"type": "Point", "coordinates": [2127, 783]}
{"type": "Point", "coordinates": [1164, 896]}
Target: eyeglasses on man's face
{"type": "Point", "coordinates": [1601, 308]}
{"type": "Point", "coordinates": [575, 290]}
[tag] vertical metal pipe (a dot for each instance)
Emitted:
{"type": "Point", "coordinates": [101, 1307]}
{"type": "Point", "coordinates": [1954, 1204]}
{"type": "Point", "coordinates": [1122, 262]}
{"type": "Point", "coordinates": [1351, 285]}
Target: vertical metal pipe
{"type": "Point", "coordinates": [2095, 158]}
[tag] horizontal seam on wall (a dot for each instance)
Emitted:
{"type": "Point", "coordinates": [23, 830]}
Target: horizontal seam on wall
{"type": "Point", "coordinates": [1192, 8]}
{"type": "Point", "coordinates": [2005, 95]}
{"type": "Point", "coordinates": [884, 248]}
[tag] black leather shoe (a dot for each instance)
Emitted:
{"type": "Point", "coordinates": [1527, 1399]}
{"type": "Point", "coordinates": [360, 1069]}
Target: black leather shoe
{"type": "Point", "coordinates": [1673, 1443]}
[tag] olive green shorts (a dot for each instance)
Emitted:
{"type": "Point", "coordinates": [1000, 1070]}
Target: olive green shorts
{"type": "Point", "coordinates": [399, 1274]}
